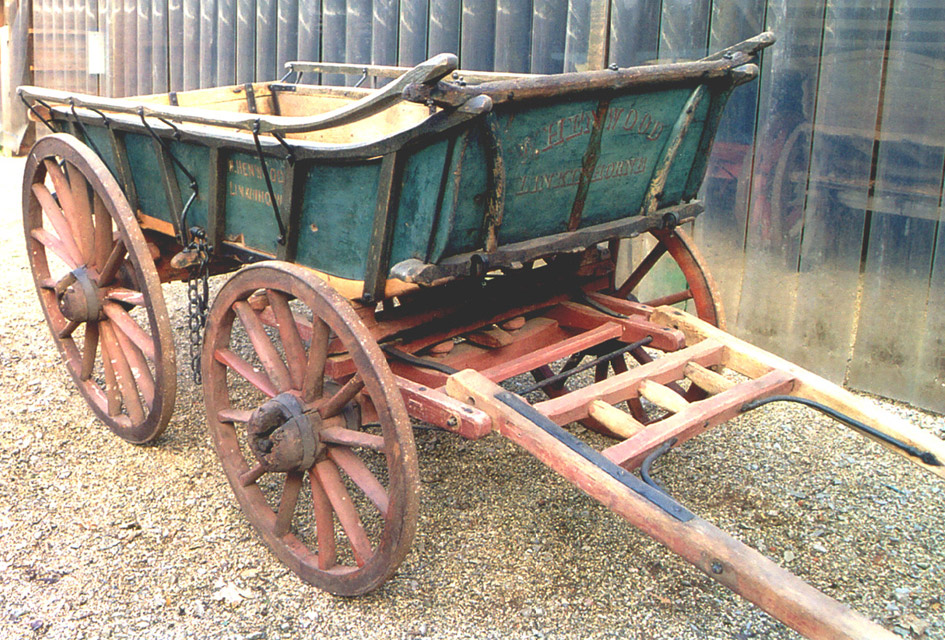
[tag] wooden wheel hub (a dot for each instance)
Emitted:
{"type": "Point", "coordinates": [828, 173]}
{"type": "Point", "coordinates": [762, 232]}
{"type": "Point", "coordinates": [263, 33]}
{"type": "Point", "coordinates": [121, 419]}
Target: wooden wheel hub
{"type": "Point", "coordinates": [78, 297]}
{"type": "Point", "coordinates": [282, 436]}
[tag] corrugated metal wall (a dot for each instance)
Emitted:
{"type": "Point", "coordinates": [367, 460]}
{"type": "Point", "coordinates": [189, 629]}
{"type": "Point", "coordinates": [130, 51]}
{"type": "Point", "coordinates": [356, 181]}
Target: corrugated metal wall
{"type": "Point", "coordinates": [824, 194]}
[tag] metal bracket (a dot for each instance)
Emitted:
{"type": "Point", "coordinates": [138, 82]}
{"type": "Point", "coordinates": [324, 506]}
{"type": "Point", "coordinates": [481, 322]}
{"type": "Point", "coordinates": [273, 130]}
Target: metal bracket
{"type": "Point", "coordinates": [250, 97]}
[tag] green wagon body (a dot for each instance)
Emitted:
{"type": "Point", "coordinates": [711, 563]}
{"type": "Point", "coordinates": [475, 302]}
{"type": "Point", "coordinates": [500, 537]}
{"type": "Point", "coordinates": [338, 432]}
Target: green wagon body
{"type": "Point", "coordinates": [500, 172]}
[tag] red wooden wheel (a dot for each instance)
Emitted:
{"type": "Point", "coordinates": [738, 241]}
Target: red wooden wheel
{"type": "Point", "coordinates": [310, 427]}
{"type": "Point", "coordinates": [98, 288]}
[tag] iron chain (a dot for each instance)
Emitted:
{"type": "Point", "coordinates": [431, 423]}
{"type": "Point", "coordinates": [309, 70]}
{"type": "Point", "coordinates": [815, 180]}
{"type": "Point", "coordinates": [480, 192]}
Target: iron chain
{"type": "Point", "coordinates": [198, 297]}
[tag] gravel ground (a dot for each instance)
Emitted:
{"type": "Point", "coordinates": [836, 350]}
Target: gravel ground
{"type": "Point", "coordinates": [101, 539]}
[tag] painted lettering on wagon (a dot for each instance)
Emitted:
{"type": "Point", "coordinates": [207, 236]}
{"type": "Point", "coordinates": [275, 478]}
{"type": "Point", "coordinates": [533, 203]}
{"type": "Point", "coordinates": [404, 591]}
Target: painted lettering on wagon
{"type": "Point", "coordinates": [581, 124]}
{"type": "Point", "coordinates": [571, 177]}
{"type": "Point", "coordinates": [253, 192]}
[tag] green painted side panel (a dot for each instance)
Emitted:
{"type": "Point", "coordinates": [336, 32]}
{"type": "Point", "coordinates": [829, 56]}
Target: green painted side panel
{"type": "Point", "coordinates": [686, 157]}
{"type": "Point", "coordinates": [146, 173]}
{"type": "Point", "coordinates": [101, 140]}
{"type": "Point", "coordinates": [337, 217]}
{"type": "Point", "coordinates": [417, 207]}
{"type": "Point", "coordinates": [447, 217]}
{"type": "Point", "coordinates": [197, 160]}
{"type": "Point", "coordinates": [248, 205]}
{"type": "Point", "coordinates": [468, 196]}
{"type": "Point", "coordinates": [544, 150]}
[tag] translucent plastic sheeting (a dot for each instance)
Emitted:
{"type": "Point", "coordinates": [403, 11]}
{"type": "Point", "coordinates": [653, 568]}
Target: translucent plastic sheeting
{"type": "Point", "coordinates": [116, 50]}
{"type": "Point", "coordinates": [226, 41]}
{"type": "Point", "coordinates": [787, 99]}
{"type": "Point", "coordinates": [477, 45]}
{"type": "Point", "coordinates": [891, 338]}
{"type": "Point", "coordinates": [634, 31]}
{"type": "Point", "coordinates": [287, 35]}
{"type": "Point", "coordinates": [684, 29]}
{"type": "Point", "coordinates": [159, 37]}
{"type": "Point", "coordinates": [720, 231]}
{"type": "Point", "coordinates": [444, 26]}
{"type": "Point", "coordinates": [208, 43]}
{"type": "Point", "coordinates": [333, 37]}
{"type": "Point", "coordinates": [144, 47]}
{"type": "Point", "coordinates": [412, 43]}
{"type": "Point", "coordinates": [191, 50]}
{"type": "Point", "coordinates": [266, 51]}
{"type": "Point", "coordinates": [310, 26]}
{"type": "Point", "coordinates": [175, 44]}
{"type": "Point", "coordinates": [384, 32]}
{"type": "Point", "coordinates": [578, 33]}
{"type": "Point", "coordinates": [513, 26]}
{"type": "Point", "coordinates": [357, 35]}
{"type": "Point", "coordinates": [245, 41]}
{"type": "Point", "coordinates": [833, 201]}
{"type": "Point", "coordinates": [549, 25]}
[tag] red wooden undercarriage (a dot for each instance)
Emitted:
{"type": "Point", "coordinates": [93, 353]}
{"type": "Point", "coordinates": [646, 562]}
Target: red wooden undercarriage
{"type": "Point", "coordinates": [449, 352]}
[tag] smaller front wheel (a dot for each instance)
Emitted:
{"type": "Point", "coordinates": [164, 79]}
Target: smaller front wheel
{"type": "Point", "coordinates": [310, 427]}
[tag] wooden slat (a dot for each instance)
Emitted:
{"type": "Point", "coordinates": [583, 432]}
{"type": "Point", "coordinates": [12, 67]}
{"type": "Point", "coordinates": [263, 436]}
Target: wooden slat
{"type": "Point", "coordinates": [245, 370]}
{"type": "Point", "coordinates": [618, 388]}
{"type": "Point", "coordinates": [620, 422]}
{"type": "Point", "coordinates": [351, 438]}
{"type": "Point", "coordinates": [693, 419]}
{"type": "Point", "coordinates": [706, 379]}
{"type": "Point", "coordinates": [355, 469]}
{"type": "Point", "coordinates": [330, 480]}
{"type": "Point", "coordinates": [663, 397]}
{"type": "Point", "coordinates": [562, 349]}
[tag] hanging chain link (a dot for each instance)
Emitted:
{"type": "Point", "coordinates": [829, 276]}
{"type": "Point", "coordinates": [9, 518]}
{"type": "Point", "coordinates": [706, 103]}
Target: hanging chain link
{"type": "Point", "coordinates": [198, 296]}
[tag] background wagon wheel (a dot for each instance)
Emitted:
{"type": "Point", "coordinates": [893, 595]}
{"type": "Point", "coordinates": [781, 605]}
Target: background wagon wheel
{"type": "Point", "coordinates": [98, 288]}
{"type": "Point", "coordinates": [310, 427]}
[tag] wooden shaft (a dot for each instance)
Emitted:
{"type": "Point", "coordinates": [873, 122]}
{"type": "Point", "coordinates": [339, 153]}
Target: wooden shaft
{"type": "Point", "coordinates": [620, 422]}
{"type": "Point", "coordinates": [663, 397]}
{"type": "Point", "coordinates": [751, 361]}
{"type": "Point", "coordinates": [718, 555]}
{"type": "Point", "coordinates": [707, 379]}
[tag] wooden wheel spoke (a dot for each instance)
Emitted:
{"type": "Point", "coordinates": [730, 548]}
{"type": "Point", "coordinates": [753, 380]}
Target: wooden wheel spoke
{"type": "Point", "coordinates": [112, 396]}
{"type": "Point", "coordinates": [58, 220]}
{"type": "Point", "coordinates": [81, 214]}
{"type": "Point", "coordinates": [352, 438]}
{"type": "Point", "coordinates": [115, 257]}
{"type": "Point", "coordinates": [103, 233]}
{"type": "Point", "coordinates": [128, 296]}
{"type": "Point", "coordinates": [291, 340]}
{"type": "Point", "coordinates": [127, 325]}
{"type": "Point", "coordinates": [139, 367]}
{"type": "Point", "coordinates": [672, 298]}
{"type": "Point", "coordinates": [69, 329]}
{"type": "Point", "coordinates": [333, 406]}
{"type": "Point", "coordinates": [234, 415]}
{"type": "Point", "coordinates": [268, 356]}
{"type": "Point", "coordinates": [127, 386]}
{"type": "Point", "coordinates": [359, 473]}
{"type": "Point", "coordinates": [54, 244]}
{"type": "Point", "coordinates": [246, 371]}
{"type": "Point", "coordinates": [288, 502]}
{"type": "Point", "coordinates": [642, 270]}
{"type": "Point", "coordinates": [314, 385]}
{"type": "Point", "coordinates": [324, 524]}
{"type": "Point", "coordinates": [344, 508]}
{"type": "Point", "coordinates": [251, 476]}
{"type": "Point", "coordinates": [89, 350]}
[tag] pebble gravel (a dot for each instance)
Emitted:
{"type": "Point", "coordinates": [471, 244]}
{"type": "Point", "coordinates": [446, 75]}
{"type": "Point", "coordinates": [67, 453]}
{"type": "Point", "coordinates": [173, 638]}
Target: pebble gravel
{"type": "Point", "coordinates": [102, 539]}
